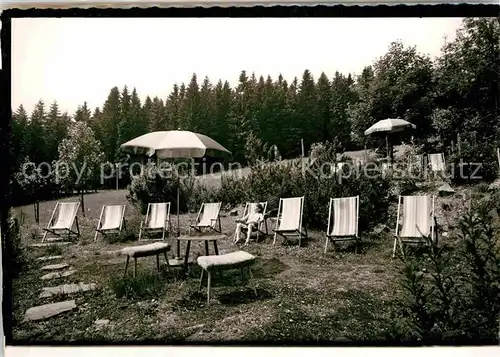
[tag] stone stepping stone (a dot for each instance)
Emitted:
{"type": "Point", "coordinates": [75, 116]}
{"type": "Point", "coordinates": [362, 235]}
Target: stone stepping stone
{"type": "Point", "coordinates": [54, 239]}
{"type": "Point", "coordinates": [55, 266]}
{"type": "Point", "coordinates": [53, 257]}
{"type": "Point", "coordinates": [45, 311]}
{"type": "Point", "coordinates": [56, 275]}
{"type": "Point", "coordinates": [41, 245]}
{"type": "Point", "coordinates": [66, 289]}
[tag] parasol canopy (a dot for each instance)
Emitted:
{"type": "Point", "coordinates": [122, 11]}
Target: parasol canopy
{"type": "Point", "coordinates": [174, 144]}
{"type": "Point", "coordinates": [389, 126]}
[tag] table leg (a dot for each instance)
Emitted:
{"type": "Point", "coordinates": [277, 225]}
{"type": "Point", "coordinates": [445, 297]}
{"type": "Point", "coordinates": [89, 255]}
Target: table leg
{"type": "Point", "coordinates": [207, 253]}
{"type": "Point", "coordinates": [201, 278]}
{"type": "Point", "coordinates": [216, 248]}
{"type": "Point", "coordinates": [178, 248]}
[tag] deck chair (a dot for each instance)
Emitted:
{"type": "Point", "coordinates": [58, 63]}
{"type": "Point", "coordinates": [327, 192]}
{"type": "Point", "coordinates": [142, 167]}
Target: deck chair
{"type": "Point", "coordinates": [62, 220]}
{"type": "Point", "coordinates": [263, 224]}
{"type": "Point", "coordinates": [436, 162]}
{"type": "Point", "coordinates": [418, 221]}
{"type": "Point", "coordinates": [289, 221]}
{"type": "Point", "coordinates": [111, 220]}
{"type": "Point", "coordinates": [208, 217]}
{"type": "Point", "coordinates": [157, 219]}
{"type": "Point", "coordinates": [343, 220]}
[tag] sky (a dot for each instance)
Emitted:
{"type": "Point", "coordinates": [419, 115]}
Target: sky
{"type": "Point", "coordinates": [73, 60]}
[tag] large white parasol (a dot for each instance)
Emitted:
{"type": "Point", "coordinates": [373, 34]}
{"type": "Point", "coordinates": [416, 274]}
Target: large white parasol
{"type": "Point", "coordinates": [174, 144]}
{"type": "Point", "coordinates": [389, 126]}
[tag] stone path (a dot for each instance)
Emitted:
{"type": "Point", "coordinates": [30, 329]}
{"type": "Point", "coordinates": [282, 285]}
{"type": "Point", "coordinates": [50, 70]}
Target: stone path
{"type": "Point", "coordinates": [56, 275]}
{"type": "Point", "coordinates": [53, 257]}
{"type": "Point", "coordinates": [41, 245]}
{"type": "Point", "coordinates": [45, 311]}
{"type": "Point", "coordinates": [55, 266]}
{"type": "Point", "coordinates": [66, 289]}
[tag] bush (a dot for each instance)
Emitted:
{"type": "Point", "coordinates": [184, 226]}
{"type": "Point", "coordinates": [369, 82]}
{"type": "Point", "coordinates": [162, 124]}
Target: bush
{"type": "Point", "coordinates": [456, 296]}
{"type": "Point", "coordinates": [316, 182]}
{"type": "Point", "coordinates": [13, 251]}
{"type": "Point", "coordinates": [154, 185]}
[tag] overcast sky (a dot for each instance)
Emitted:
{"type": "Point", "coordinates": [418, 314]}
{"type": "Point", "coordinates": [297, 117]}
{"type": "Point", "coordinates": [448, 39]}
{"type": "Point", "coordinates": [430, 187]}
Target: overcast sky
{"type": "Point", "coordinates": [73, 60]}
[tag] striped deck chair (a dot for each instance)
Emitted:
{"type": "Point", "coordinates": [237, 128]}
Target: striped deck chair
{"type": "Point", "coordinates": [263, 224]}
{"type": "Point", "coordinates": [157, 219]}
{"type": "Point", "coordinates": [436, 162]}
{"type": "Point", "coordinates": [417, 221]}
{"type": "Point", "coordinates": [111, 220]}
{"type": "Point", "coordinates": [289, 221]}
{"type": "Point", "coordinates": [343, 220]}
{"type": "Point", "coordinates": [208, 217]}
{"type": "Point", "coordinates": [62, 220]}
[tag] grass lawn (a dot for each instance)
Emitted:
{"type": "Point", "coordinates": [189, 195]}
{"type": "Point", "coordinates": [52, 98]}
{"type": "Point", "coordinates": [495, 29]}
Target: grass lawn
{"type": "Point", "coordinates": [304, 295]}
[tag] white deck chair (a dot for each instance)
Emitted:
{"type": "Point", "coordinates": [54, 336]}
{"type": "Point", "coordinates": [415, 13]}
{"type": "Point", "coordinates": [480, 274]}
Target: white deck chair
{"type": "Point", "coordinates": [263, 224]}
{"type": "Point", "coordinates": [417, 221]}
{"type": "Point", "coordinates": [343, 220]}
{"type": "Point", "coordinates": [157, 219]}
{"type": "Point", "coordinates": [436, 162]}
{"type": "Point", "coordinates": [64, 220]}
{"type": "Point", "coordinates": [111, 220]}
{"type": "Point", "coordinates": [208, 217]}
{"type": "Point", "coordinates": [289, 221]}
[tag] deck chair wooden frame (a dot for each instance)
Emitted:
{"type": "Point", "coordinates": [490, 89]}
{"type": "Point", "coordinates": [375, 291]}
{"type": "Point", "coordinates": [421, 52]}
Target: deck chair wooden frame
{"type": "Point", "coordinates": [262, 225]}
{"type": "Point", "coordinates": [165, 229]}
{"type": "Point", "coordinates": [111, 230]}
{"type": "Point", "coordinates": [350, 236]}
{"type": "Point", "coordinates": [214, 221]}
{"type": "Point", "coordinates": [418, 236]}
{"type": "Point", "coordinates": [68, 229]}
{"type": "Point", "coordinates": [296, 232]}
{"type": "Point", "coordinates": [430, 161]}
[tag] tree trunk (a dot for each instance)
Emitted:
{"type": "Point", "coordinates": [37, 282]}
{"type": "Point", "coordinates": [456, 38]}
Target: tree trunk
{"type": "Point", "coordinates": [83, 207]}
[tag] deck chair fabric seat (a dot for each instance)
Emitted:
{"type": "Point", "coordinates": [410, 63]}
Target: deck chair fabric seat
{"type": "Point", "coordinates": [343, 220]}
{"type": "Point", "coordinates": [289, 221]}
{"type": "Point", "coordinates": [208, 217]}
{"type": "Point", "coordinates": [262, 225]}
{"type": "Point", "coordinates": [436, 162]}
{"type": "Point", "coordinates": [147, 250]}
{"type": "Point", "coordinates": [63, 217]}
{"type": "Point", "coordinates": [111, 220]}
{"type": "Point", "coordinates": [157, 219]}
{"type": "Point", "coordinates": [417, 221]}
{"type": "Point", "coordinates": [225, 261]}
{"type": "Point", "coordinates": [235, 260]}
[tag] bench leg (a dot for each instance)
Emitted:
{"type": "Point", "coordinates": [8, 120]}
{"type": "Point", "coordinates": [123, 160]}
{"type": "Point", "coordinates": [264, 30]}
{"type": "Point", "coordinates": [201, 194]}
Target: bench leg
{"type": "Point", "coordinates": [126, 266]}
{"type": "Point", "coordinates": [251, 281]}
{"type": "Point", "coordinates": [168, 263]}
{"type": "Point", "coordinates": [201, 279]}
{"type": "Point", "coordinates": [135, 267]}
{"type": "Point", "coordinates": [188, 246]}
{"type": "Point", "coordinates": [209, 287]}
{"type": "Point", "coordinates": [207, 253]}
{"type": "Point", "coordinates": [216, 248]}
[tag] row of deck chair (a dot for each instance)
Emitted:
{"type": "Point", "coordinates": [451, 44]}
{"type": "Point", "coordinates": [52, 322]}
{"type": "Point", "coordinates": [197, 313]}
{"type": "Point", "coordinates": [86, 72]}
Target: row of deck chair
{"type": "Point", "coordinates": [417, 219]}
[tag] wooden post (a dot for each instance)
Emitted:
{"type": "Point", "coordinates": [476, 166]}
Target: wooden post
{"type": "Point", "coordinates": [302, 147]}
{"type": "Point", "coordinates": [117, 177]}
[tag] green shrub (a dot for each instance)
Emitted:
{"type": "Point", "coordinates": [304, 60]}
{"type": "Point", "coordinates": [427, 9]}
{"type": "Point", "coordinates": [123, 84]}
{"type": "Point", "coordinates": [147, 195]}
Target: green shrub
{"type": "Point", "coordinates": [483, 154]}
{"type": "Point", "coordinates": [13, 251]}
{"type": "Point", "coordinates": [453, 294]}
{"type": "Point", "coordinates": [152, 186]}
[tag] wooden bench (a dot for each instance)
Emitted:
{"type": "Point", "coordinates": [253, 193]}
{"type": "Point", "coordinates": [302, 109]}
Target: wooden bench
{"type": "Point", "coordinates": [235, 260]}
{"type": "Point", "coordinates": [147, 250]}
